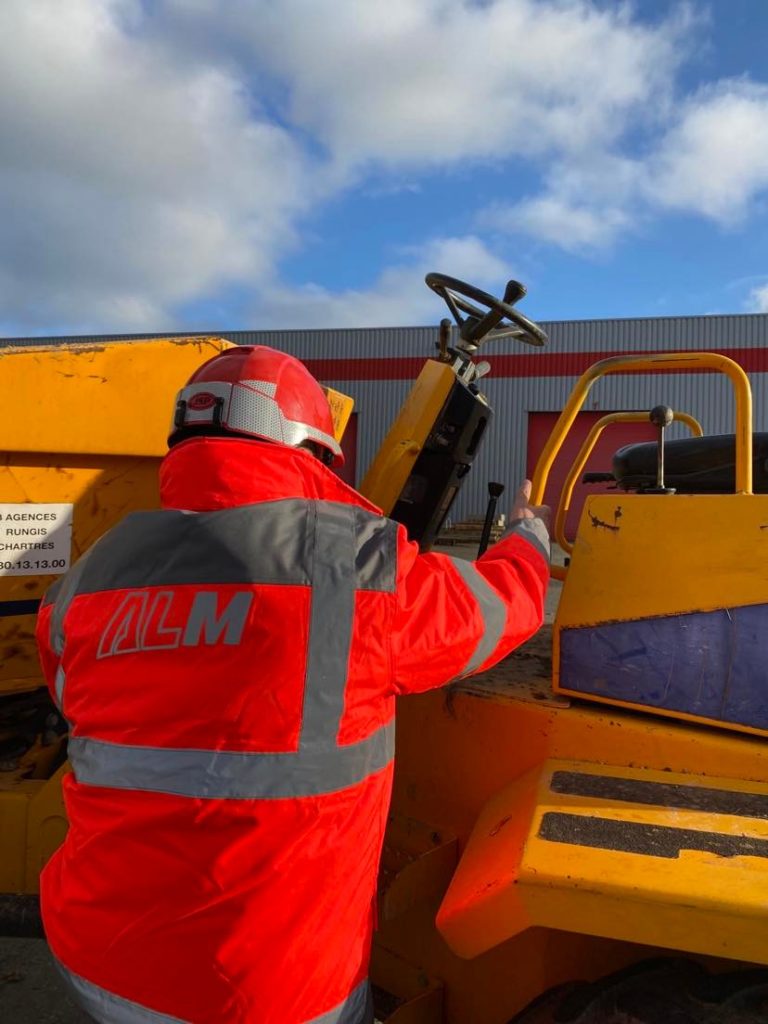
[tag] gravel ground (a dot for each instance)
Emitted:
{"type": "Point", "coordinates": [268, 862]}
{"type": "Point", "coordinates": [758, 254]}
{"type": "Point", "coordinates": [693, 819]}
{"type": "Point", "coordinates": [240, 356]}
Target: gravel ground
{"type": "Point", "coordinates": [31, 991]}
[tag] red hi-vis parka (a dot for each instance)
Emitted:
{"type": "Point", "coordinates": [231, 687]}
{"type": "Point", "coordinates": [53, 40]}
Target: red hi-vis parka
{"type": "Point", "coordinates": [228, 666]}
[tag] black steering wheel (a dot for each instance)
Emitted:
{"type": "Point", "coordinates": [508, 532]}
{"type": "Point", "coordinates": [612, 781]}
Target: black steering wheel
{"type": "Point", "coordinates": [499, 318]}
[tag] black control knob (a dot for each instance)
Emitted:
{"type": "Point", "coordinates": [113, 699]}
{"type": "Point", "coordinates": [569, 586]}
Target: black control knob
{"type": "Point", "coordinates": [661, 416]}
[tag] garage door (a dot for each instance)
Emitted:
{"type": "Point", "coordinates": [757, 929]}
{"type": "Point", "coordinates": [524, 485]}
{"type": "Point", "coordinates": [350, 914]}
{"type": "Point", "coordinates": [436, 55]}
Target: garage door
{"type": "Point", "coordinates": [348, 472]}
{"type": "Point", "coordinates": [540, 426]}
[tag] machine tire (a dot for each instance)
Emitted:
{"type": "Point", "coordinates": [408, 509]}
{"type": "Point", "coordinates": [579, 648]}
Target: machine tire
{"type": "Point", "coordinates": [665, 990]}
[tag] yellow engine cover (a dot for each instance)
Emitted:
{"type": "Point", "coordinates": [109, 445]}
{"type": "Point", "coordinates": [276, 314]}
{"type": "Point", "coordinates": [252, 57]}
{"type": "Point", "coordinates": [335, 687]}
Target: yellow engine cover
{"type": "Point", "coordinates": [84, 426]}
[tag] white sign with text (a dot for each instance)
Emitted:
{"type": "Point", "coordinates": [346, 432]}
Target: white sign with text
{"type": "Point", "coordinates": [35, 540]}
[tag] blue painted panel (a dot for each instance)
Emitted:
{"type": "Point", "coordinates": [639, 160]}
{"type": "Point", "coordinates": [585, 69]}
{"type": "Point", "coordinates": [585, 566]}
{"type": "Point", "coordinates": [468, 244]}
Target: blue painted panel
{"type": "Point", "coordinates": [709, 664]}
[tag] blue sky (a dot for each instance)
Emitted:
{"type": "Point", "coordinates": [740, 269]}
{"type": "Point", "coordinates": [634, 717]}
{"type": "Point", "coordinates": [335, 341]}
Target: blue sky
{"type": "Point", "coordinates": [193, 164]}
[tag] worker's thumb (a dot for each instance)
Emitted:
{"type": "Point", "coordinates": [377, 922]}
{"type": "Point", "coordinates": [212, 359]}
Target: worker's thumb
{"type": "Point", "coordinates": [521, 507]}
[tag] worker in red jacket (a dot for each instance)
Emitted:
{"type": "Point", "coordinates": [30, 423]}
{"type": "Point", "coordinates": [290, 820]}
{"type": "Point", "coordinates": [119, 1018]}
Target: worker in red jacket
{"type": "Point", "coordinates": [229, 666]}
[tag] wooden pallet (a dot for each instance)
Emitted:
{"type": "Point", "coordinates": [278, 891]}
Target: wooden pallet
{"type": "Point", "coordinates": [469, 532]}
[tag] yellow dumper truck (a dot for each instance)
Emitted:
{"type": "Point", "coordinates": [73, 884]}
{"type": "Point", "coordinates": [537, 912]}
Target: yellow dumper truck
{"type": "Point", "coordinates": [579, 836]}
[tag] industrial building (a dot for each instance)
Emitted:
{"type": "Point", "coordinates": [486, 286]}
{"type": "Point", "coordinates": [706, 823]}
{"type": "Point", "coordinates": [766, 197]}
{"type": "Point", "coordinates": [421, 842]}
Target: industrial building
{"type": "Point", "coordinates": [526, 387]}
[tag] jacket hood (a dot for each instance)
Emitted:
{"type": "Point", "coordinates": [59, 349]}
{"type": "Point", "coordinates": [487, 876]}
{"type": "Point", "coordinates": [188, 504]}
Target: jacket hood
{"type": "Point", "coordinates": [207, 473]}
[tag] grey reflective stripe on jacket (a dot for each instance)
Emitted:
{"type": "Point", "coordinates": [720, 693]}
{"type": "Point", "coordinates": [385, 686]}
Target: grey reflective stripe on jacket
{"type": "Point", "coordinates": [231, 775]}
{"type": "Point", "coordinates": [333, 548]}
{"type": "Point", "coordinates": [60, 594]}
{"type": "Point", "coordinates": [357, 1008]}
{"type": "Point", "coordinates": [492, 608]}
{"type": "Point", "coordinates": [107, 1008]}
{"type": "Point", "coordinates": [535, 532]}
{"type": "Point", "coordinates": [267, 542]}
{"type": "Point", "coordinates": [58, 686]}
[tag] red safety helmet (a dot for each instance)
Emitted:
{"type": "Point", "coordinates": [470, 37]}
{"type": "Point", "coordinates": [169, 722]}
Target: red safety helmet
{"type": "Point", "coordinates": [259, 392]}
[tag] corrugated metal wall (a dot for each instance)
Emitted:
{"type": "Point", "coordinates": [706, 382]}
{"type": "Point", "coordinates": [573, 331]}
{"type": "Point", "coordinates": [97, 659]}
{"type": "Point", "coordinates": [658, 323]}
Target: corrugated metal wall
{"type": "Point", "coordinates": [503, 455]}
{"type": "Point", "coordinates": [741, 330]}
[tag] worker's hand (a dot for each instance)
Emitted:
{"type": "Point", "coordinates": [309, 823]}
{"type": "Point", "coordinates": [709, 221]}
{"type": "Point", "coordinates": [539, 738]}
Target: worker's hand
{"type": "Point", "coordinates": [522, 508]}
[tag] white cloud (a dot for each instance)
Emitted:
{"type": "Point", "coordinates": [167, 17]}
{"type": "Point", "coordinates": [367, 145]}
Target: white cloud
{"type": "Point", "coordinates": [398, 296]}
{"type": "Point", "coordinates": [130, 179]}
{"type": "Point", "coordinates": [586, 204]}
{"type": "Point", "coordinates": [554, 219]}
{"type": "Point", "coordinates": [714, 159]}
{"type": "Point", "coordinates": [758, 299]}
{"type": "Point", "coordinates": [156, 154]}
{"type": "Point", "coordinates": [415, 84]}
{"type": "Point", "coordinates": [711, 160]}
{"type": "Point", "coordinates": [424, 82]}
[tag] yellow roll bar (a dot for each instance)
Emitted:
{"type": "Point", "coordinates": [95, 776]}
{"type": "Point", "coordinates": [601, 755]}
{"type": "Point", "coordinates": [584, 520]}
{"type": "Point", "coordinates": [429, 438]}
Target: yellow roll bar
{"type": "Point", "coordinates": [659, 362]}
{"type": "Point", "coordinates": [586, 450]}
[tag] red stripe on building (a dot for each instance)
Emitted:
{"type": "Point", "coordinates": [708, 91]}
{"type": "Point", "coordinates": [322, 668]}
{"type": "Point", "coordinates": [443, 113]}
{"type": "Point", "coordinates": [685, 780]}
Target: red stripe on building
{"type": "Point", "coordinates": [544, 364]}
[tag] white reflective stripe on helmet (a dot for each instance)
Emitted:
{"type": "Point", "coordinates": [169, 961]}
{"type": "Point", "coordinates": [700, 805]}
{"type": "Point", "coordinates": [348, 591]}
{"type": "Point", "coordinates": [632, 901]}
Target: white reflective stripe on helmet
{"type": "Point", "coordinates": [248, 406]}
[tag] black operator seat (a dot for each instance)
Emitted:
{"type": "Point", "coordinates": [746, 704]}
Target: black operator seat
{"type": "Point", "coordinates": [692, 465]}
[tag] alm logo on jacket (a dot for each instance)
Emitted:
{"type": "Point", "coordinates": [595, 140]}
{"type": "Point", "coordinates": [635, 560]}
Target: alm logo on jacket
{"type": "Point", "coordinates": [143, 620]}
